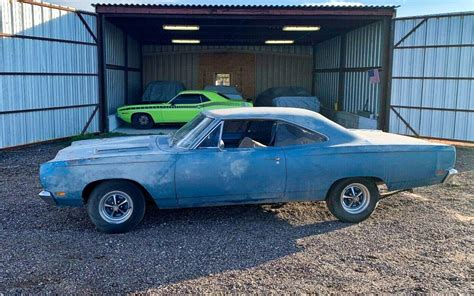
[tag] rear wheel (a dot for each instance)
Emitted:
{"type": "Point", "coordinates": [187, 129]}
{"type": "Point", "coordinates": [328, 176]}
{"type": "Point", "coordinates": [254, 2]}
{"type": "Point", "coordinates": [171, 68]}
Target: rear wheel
{"type": "Point", "coordinates": [353, 200]}
{"type": "Point", "coordinates": [116, 206]}
{"type": "Point", "coordinates": [142, 121]}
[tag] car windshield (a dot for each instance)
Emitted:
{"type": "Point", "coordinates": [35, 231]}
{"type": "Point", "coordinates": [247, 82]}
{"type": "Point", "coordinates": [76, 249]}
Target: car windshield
{"type": "Point", "coordinates": [185, 136]}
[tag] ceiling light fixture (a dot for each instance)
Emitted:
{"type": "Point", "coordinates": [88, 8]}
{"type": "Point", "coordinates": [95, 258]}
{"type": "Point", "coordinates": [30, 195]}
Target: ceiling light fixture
{"type": "Point", "coordinates": [301, 28]}
{"type": "Point", "coordinates": [186, 41]}
{"type": "Point", "coordinates": [181, 27]}
{"type": "Point", "coordinates": [279, 41]}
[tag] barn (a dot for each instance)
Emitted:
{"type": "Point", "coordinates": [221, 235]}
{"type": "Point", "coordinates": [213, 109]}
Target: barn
{"type": "Point", "coordinates": [64, 72]}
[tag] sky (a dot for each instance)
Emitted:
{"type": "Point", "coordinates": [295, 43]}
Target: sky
{"type": "Point", "coordinates": [407, 7]}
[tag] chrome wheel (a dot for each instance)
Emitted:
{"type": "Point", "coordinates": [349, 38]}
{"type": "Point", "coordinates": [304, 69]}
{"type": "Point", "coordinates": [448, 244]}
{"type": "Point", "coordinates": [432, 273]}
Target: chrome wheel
{"type": "Point", "coordinates": [355, 198]}
{"type": "Point", "coordinates": [143, 120]}
{"type": "Point", "coordinates": [116, 207]}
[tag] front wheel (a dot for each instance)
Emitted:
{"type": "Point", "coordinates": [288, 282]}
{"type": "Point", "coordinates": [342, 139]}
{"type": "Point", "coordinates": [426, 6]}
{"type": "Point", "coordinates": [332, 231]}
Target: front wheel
{"type": "Point", "coordinates": [353, 200]}
{"type": "Point", "coordinates": [116, 206]}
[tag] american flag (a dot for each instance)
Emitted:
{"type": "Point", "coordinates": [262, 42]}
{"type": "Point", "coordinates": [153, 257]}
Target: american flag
{"type": "Point", "coordinates": [374, 76]}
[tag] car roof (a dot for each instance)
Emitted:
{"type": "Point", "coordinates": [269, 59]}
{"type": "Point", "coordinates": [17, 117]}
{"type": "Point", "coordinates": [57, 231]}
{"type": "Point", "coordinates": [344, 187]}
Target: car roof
{"type": "Point", "coordinates": [245, 112]}
{"type": "Point", "coordinates": [201, 92]}
{"type": "Point", "coordinates": [302, 117]}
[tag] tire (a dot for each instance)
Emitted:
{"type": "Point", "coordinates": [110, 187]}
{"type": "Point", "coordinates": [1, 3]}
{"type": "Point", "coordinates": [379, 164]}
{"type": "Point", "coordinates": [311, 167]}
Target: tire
{"type": "Point", "coordinates": [142, 121]}
{"type": "Point", "coordinates": [110, 217]}
{"type": "Point", "coordinates": [361, 207]}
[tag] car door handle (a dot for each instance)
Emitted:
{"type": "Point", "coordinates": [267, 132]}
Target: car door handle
{"type": "Point", "coordinates": [274, 158]}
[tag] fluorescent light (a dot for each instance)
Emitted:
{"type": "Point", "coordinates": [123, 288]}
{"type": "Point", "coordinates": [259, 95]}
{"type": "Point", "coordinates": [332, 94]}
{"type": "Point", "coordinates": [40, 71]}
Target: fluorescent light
{"type": "Point", "coordinates": [279, 41]}
{"type": "Point", "coordinates": [181, 27]}
{"type": "Point", "coordinates": [301, 28]}
{"type": "Point", "coordinates": [186, 41]}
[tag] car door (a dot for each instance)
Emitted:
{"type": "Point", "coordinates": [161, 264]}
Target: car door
{"type": "Point", "coordinates": [308, 162]}
{"type": "Point", "coordinates": [209, 175]}
{"type": "Point", "coordinates": [184, 107]}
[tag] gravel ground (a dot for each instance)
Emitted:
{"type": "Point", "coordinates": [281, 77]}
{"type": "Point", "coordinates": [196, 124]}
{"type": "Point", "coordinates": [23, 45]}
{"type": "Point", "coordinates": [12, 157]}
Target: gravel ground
{"type": "Point", "coordinates": [414, 243]}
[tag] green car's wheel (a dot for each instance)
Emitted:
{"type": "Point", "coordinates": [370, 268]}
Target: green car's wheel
{"type": "Point", "coordinates": [142, 121]}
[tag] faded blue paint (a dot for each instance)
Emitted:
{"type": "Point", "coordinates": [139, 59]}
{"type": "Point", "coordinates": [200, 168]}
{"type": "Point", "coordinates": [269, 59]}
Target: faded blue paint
{"type": "Point", "coordinates": [233, 175]}
{"type": "Point", "coordinates": [177, 177]}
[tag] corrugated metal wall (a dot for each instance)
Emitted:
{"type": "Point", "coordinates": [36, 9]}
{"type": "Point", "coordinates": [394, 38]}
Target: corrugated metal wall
{"type": "Point", "coordinates": [182, 66]}
{"type": "Point", "coordinates": [362, 51]}
{"type": "Point", "coordinates": [326, 61]}
{"type": "Point", "coordinates": [282, 70]}
{"type": "Point", "coordinates": [48, 73]}
{"type": "Point", "coordinates": [433, 77]}
{"type": "Point", "coordinates": [275, 65]}
{"type": "Point", "coordinates": [123, 68]}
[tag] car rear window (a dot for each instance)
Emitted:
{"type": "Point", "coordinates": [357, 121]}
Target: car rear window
{"type": "Point", "coordinates": [288, 135]}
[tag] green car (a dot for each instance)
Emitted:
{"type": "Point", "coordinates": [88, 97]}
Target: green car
{"type": "Point", "coordinates": [180, 109]}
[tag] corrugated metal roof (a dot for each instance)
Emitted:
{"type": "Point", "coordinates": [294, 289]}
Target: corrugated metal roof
{"type": "Point", "coordinates": [249, 6]}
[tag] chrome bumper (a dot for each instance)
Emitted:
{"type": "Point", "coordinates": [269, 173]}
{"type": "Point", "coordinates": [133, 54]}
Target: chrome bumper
{"type": "Point", "coordinates": [47, 197]}
{"type": "Point", "coordinates": [450, 175]}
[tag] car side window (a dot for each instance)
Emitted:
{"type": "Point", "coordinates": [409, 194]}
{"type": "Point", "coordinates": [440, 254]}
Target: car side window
{"type": "Point", "coordinates": [212, 139]}
{"type": "Point", "coordinates": [248, 133]}
{"type": "Point", "coordinates": [288, 135]}
{"type": "Point", "coordinates": [186, 99]}
{"type": "Point", "coordinates": [204, 99]}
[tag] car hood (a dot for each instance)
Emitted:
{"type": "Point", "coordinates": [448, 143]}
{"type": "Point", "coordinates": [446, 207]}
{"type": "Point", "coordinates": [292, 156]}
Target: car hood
{"type": "Point", "coordinates": [110, 147]}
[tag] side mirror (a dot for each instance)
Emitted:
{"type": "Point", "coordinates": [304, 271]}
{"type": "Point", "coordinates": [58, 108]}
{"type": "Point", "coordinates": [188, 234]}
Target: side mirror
{"type": "Point", "coordinates": [221, 145]}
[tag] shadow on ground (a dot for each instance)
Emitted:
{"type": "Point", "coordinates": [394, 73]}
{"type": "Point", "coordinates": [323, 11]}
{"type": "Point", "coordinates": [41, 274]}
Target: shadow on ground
{"type": "Point", "coordinates": [59, 249]}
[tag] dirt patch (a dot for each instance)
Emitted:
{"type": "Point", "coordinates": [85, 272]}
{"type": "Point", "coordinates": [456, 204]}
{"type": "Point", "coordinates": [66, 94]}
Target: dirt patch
{"type": "Point", "coordinates": [419, 242]}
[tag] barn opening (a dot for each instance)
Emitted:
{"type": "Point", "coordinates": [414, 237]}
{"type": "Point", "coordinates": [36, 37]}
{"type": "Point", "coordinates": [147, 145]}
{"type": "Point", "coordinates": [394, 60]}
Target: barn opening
{"type": "Point", "coordinates": [341, 55]}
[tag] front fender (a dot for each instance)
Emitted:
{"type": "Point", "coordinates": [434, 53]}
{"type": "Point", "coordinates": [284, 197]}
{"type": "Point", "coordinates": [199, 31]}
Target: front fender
{"type": "Point", "coordinates": [72, 178]}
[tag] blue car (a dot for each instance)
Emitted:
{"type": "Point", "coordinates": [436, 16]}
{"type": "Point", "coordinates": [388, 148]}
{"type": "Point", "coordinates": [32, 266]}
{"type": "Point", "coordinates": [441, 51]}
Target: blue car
{"type": "Point", "coordinates": [242, 156]}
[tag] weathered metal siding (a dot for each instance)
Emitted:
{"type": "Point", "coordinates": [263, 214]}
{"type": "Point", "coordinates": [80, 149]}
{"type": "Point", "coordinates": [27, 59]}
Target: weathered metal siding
{"type": "Point", "coordinates": [134, 53]}
{"type": "Point", "coordinates": [182, 67]}
{"type": "Point", "coordinates": [364, 46]}
{"type": "Point", "coordinates": [48, 87]}
{"type": "Point", "coordinates": [34, 20]}
{"type": "Point", "coordinates": [360, 94]}
{"type": "Point", "coordinates": [362, 50]}
{"type": "Point", "coordinates": [134, 87]}
{"type": "Point", "coordinates": [134, 74]}
{"type": "Point", "coordinates": [282, 70]}
{"type": "Point", "coordinates": [433, 77]}
{"type": "Point", "coordinates": [326, 88]}
{"type": "Point", "coordinates": [327, 58]}
{"type": "Point", "coordinates": [122, 59]}
{"type": "Point", "coordinates": [275, 65]}
{"type": "Point", "coordinates": [327, 54]}
{"type": "Point", "coordinates": [115, 81]}
{"type": "Point", "coordinates": [114, 40]}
